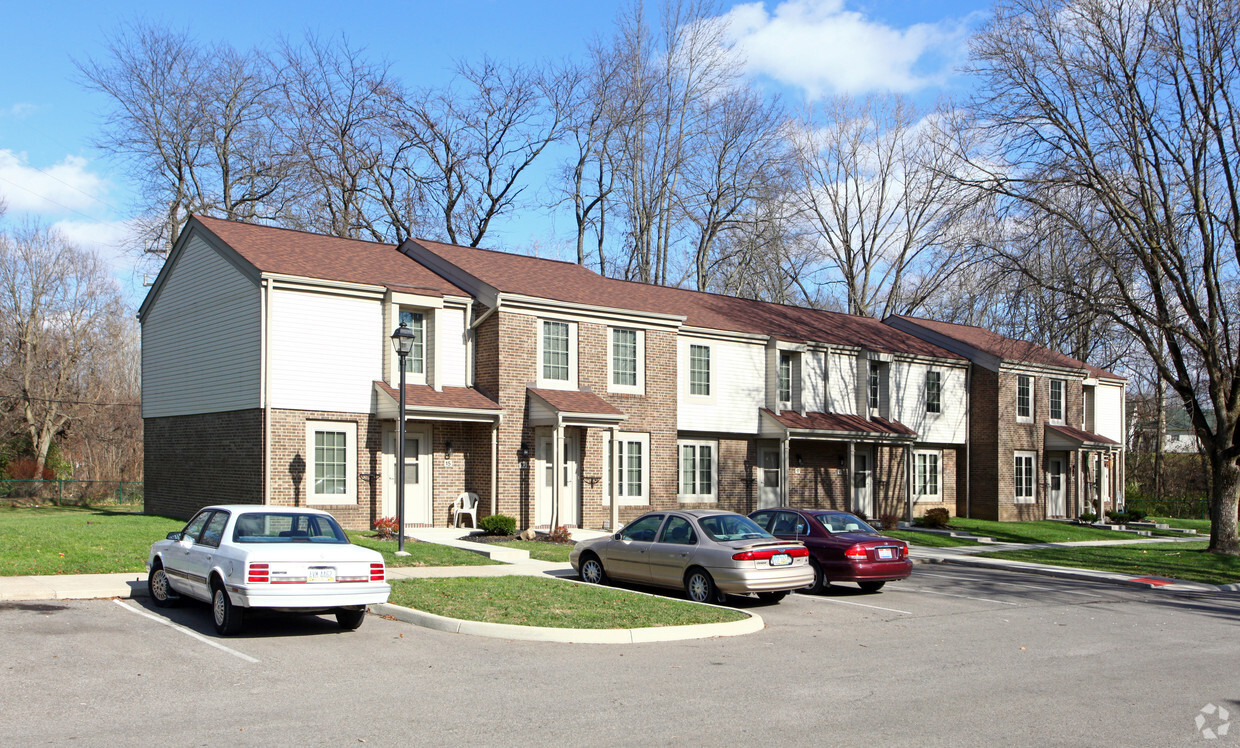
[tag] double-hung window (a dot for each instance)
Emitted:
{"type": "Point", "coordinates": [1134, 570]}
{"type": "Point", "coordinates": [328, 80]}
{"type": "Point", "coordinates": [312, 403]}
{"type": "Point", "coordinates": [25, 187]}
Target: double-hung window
{"type": "Point", "coordinates": [625, 361]}
{"type": "Point", "coordinates": [1024, 398]}
{"type": "Point", "coordinates": [926, 476]}
{"type": "Point", "coordinates": [934, 392]}
{"type": "Point", "coordinates": [697, 470]}
{"type": "Point", "coordinates": [555, 351]}
{"type": "Point", "coordinates": [415, 362]}
{"type": "Point", "coordinates": [699, 370]}
{"type": "Point", "coordinates": [632, 468]}
{"type": "Point", "coordinates": [331, 472]}
{"type": "Point", "coordinates": [1023, 478]}
{"type": "Point", "coordinates": [1057, 404]}
{"type": "Point", "coordinates": [784, 380]}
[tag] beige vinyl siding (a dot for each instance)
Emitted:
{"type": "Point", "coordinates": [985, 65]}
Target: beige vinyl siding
{"type": "Point", "coordinates": [201, 337]}
{"type": "Point", "coordinates": [842, 383]}
{"type": "Point", "coordinates": [908, 388]}
{"type": "Point", "coordinates": [814, 381]}
{"type": "Point", "coordinates": [1109, 411]}
{"type": "Point", "coordinates": [326, 351]}
{"type": "Point", "coordinates": [451, 323]}
{"type": "Point", "coordinates": [737, 387]}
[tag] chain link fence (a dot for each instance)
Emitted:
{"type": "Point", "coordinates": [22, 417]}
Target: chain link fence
{"type": "Point", "coordinates": [1178, 508]}
{"type": "Point", "coordinates": [70, 492]}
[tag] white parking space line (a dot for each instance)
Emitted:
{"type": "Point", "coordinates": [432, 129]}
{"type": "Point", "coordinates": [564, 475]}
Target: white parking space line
{"type": "Point", "coordinates": [963, 597]}
{"type": "Point", "coordinates": [1010, 584]}
{"type": "Point", "coordinates": [860, 605]}
{"type": "Point", "coordinates": [187, 632]}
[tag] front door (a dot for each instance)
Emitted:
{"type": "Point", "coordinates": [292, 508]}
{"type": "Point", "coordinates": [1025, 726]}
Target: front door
{"type": "Point", "coordinates": [544, 494]}
{"type": "Point", "coordinates": [418, 510]}
{"type": "Point", "coordinates": [863, 484]}
{"type": "Point", "coordinates": [768, 478]}
{"type": "Point", "coordinates": [1056, 504]}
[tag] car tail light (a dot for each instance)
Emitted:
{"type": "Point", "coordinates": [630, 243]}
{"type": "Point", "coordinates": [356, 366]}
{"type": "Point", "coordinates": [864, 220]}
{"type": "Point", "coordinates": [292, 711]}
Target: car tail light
{"type": "Point", "coordinates": [258, 573]}
{"type": "Point", "coordinates": [376, 572]}
{"type": "Point", "coordinates": [856, 553]}
{"type": "Point", "coordinates": [766, 553]}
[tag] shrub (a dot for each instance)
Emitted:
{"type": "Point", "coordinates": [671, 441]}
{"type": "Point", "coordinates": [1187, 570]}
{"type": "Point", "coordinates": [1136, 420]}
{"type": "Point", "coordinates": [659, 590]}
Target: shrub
{"type": "Point", "coordinates": [936, 518]}
{"type": "Point", "coordinates": [498, 524]}
{"type": "Point", "coordinates": [1117, 518]}
{"type": "Point", "coordinates": [1135, 515]}
{"type": "Point", "coordinates": [890, 521]}
{"type": "Point", "coordinates": [1088, 517]}
{"type": "Point", "coordinates": [385, 527]}
{"type": "Point", "coordinates": [560, 535]}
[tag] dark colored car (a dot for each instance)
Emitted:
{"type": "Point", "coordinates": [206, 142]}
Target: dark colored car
{"type": "Point", "coordinates": [842, 547]}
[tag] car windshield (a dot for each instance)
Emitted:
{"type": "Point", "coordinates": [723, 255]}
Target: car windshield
{"type": "Point", "coordinates": [722, 527]}
{"type": "Point", "coordinates": [283, 527]}
{"type": "Point", "coordinates": [843, 523]}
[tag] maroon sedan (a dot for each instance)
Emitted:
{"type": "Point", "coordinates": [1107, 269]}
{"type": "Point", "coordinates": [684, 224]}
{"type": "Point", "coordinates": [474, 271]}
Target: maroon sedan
{"type": "Point", "coordinates": [842, 547]}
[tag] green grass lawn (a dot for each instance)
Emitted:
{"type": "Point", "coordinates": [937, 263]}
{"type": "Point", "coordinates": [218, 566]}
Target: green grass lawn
{"type": "Point", "coordinates": [541, 551]}
{"type": "Point", "coordinates": [536, 601]}
{"type": "Point", "coordinates": [928, 539]}
{"type": "Point", "coordinates": [78, 540]}
{"type": "Point", "coordinates": [420, 554]}
{"type": "Point", "coordinates": [1202, 526]}
{"type": "Point", "coordinates": [1176, 560]}
{"type": "Point", "coordinates": [1036, 532]}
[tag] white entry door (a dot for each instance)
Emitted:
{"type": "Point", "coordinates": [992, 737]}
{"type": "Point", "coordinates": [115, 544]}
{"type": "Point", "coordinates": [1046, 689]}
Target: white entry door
{"type": "Point", "coordinates": [1056, 506]}
{"type": "Point", "coordinates": [418, 507]}
{"type": "Point", "coordinates": [544, 489]}
{"type": "Point", "coordinates": [863, 484]}
{"type": "Point", "coordinates": [769, 493]}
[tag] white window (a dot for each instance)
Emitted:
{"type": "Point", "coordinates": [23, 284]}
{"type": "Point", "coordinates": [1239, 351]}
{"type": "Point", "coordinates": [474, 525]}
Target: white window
{"type": "Point", "coordinates": [1057, 392]}
{"type": "Point", "coordinates": [934, 392]}
{"type": "Point", "coordinates": [415, 362]}
{"type": "Point", "coordinates": [699, 370]}
{"type": "Point", "coordinates": [698, 470]}
{"type": "Point", "coordinates": [557, 347]}
{"type": "Point", "coordinates": [1024, 398]}
{"type": "Point", "coordinates": [331, 462]}
{"type": "Point", "coordinates": [632, 469]}
{"type": "Point", "coordinates": [1023, 478]}
{"type": "Point", "coordinates": [928, 475]}
{"type": "Point", "coordinates": [626, 361]}
{"type": "Point", "coordinates": [784, 380]}
{"type": "Point", "coordinates": [874, 386]}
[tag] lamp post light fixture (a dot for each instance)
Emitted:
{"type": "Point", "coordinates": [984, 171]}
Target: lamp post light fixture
{"type": "Point", "coordinates": [402, 343]}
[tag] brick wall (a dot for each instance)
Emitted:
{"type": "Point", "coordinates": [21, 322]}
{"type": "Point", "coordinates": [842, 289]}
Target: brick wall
{"type": "Point", "coordinates": [822, 481]}
{"type": "Point", "coordinates": [198, 460]}
{"type": "Point", "coordinates": [290, 465]}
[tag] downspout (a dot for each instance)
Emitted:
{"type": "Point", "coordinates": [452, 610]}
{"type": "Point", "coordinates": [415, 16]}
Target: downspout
{"type": "Point", "coordinates": [265, 383]}
{"type": "Point", "coordinates": [469, 346]}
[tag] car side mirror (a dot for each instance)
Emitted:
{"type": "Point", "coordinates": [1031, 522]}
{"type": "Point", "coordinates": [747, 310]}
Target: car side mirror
{"type": "Point", "coordinates": [174, 536]}
{"type": "Point", "coordinates": [617, 537]}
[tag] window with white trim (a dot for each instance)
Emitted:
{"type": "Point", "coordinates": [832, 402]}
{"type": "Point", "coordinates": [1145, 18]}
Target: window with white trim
{"type": "Point", "coordinates": [784, 381]}
{"type": "Point", "coordinates": [698, 470]}
{"type": "Point", "coordinates": [626, 361]}
{"type": "Point", "coordinates": [557, 354]}
{"type": "Point", "coordinates": [699, 370]}
{"type": "Point", "coordinates": [874, 386]}
{"type": "Point", "coordinates": [934, 391]}
{"type": "Point", "coordinates": [415, 362]}
{"type": "Point", "coordinates": [1023, 478]}
{"type": "Point", "coordinates": [633, 467]}
{"type": "Point", "coordinates": [1057, 400]}
{"type": "Point", "coordinates": [331, 462]}
{"type": "Point", "coordinates": [928, 475]}
{"type": "Point", "coordinates": [1024, 398]}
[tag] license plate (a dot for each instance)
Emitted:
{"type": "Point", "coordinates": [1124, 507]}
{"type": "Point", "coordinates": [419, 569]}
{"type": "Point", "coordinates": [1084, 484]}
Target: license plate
{"type": "Point", "coordinates": [326, 574]}
{"type": "Point", "coordinates": [781, 559]}
{"type": "Point", "coordinates": [886, 554]}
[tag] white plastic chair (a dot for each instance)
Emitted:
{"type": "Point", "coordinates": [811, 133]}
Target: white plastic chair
{"type": "Point", "coordinates": [465, 505]}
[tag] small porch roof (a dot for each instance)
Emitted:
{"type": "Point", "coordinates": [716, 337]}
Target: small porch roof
{"type": "Point", "coordinates": [425, 403]}
{"type": "Point", "coordinates": [1068, 439]}
{"type": "Point", "coordinates": [834, 427]}
{"type": "Point", "coordinates": [571, 408]}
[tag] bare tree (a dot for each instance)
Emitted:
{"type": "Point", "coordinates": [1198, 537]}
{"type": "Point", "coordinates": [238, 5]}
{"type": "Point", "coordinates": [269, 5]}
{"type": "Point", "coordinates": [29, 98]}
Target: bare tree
{"type": "Point", "coordinates": [1130, 107]}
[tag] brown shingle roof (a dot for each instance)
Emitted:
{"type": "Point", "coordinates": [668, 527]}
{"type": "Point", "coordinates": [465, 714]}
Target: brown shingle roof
{"type": "Point", "coordinates": [1006, 348]}
{"type": "Point", "coordinates": [1081, 435]}
{"type": "Point", "coordinates": [565, 281]}
{"type": "Point", "coordinates": [289, 252]}
{"type": "Point", "coordinates": [425, 396]}
{"type": "Point", "coordinates": [841, 422]}
{"type": "Point", "coordinates": [575, 401]}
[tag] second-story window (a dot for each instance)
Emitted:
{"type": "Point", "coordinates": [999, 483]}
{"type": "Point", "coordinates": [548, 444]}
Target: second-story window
{"type": "Point", "coordinates": [1057, 391]}
{"type": "Point", "coordinates": [699, 370]}
{"type": "Point", "coordinates": [874, 386]}
{"type": "Point", "coordinates": [415, 362]}
{"type": "Point", "coordinates": [624, 357]}
{"type": "Point", "coordinates": [1024, 397]}
{"type": "Point", "coordinates": [785, 379]}
{"type": "Point", "coordinates": [934, 392]}
{"type": "Point", "coordinates": [555, 350]}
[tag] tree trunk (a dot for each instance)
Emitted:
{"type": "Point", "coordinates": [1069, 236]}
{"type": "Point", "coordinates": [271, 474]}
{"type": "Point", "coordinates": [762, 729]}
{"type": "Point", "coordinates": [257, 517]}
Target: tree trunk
{"type": "Point", "coordinates": [1225, 498]}
{"type": "Point", "coordinates": [1160, 440]}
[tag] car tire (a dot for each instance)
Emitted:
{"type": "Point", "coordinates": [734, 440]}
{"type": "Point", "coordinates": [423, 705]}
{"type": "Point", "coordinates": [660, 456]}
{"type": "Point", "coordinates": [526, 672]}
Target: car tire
{"type": "Point", "coordinates": [700, 588]}
{"type": "Point", "coordinates": [228, 618]}
{"type": "Point", "coordinates": [821, 583]}
{"type": "Point", "coordinates": [871, 586]}
{"type": "Point", "coordinates": [770, 598]}
{"type": "Point", "coordinates": [349, 619]}
{"type": "Point", "coordinates": [592, 571]}
{"type": "Point", "coordinates": [159, 588]}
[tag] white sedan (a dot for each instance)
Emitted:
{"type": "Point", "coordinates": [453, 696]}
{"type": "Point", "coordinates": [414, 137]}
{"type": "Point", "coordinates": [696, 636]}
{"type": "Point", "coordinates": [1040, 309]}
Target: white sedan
{"type": "Point", "coordinates": [279, 558]}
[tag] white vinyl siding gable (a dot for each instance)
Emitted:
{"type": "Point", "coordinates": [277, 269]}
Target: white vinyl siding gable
{"type": "Point", "coordinates": [908, 389]}
{"type": "Point", "coordinates": [326, 350]}
{"type": "Point", "coordinates": [201, 337]}
{"type": "Point", "coordinates": [738, 382]}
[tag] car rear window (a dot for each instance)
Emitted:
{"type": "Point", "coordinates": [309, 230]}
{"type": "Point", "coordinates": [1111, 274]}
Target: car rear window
{"type": "Point", "coordinates": [722, 527]}
{"type": "Point", "coordinates": [844, 523]}
{"type": "Point", "coordinates": [283, 527]}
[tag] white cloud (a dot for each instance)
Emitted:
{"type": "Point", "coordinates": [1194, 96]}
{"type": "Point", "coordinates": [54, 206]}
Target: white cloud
{"type": "Point", "coordinates": [20, 110]}
{"type": "Point", "coordinates": [823, 48]}
{"type": "Point", "coordinates": [113, 241]}
{"type": "Point", "coordinates": [66, 186]}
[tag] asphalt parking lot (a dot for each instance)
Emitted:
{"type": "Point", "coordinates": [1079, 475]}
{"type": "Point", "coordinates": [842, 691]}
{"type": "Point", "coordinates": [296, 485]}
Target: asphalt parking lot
{"type": "Point", "coordinates": [950, 656]}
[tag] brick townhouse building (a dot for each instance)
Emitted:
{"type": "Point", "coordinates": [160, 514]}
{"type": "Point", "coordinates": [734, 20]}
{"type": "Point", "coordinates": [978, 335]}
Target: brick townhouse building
{"type": "Point", "coordinates": [557, 395]}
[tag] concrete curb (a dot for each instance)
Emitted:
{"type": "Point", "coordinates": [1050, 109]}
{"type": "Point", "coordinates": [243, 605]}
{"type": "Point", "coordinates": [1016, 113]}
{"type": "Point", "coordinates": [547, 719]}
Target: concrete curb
{"type": "Point", "coordinates": [1087, 575]}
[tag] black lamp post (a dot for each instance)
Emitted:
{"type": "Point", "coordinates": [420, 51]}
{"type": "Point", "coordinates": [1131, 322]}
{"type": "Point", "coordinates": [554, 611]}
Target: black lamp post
{"type": "Point", "coordinates": [402, 342]}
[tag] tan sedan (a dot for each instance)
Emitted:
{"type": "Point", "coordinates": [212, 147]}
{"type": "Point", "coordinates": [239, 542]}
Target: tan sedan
{"type": "Point", "coordinates": [707, 552]}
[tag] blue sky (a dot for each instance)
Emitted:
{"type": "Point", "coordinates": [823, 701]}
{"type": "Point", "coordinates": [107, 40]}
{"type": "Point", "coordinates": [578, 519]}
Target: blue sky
{"type": "Point", "coordinates": [49, 170]}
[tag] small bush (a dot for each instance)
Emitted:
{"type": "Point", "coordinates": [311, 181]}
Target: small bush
{"type": "Point", "coordinates": [1117, 518]}
{"type": "Point", "coordinates": [890, 521]}
{"type": "Point", "coordinates": [385, 527]}
{"type": "Point", "coordinates": [1136, 515]}
{"type": "Point", "coordinates": [1088, 517]}
{"type": "Point", "coordinates": [935, 518]}
{"type": "Point", "coordinates": [560, 535]}
{"type": "Point", "coordinates": [498, 524]}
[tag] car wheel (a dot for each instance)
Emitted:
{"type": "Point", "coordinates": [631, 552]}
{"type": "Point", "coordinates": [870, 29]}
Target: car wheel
{"type": "Point", "coordinates": [871, 586]}
{"type": "Point", "coordinates": [349, 619]}
{"type": "Point", "coordinates": [228, 618]}
{"type": "Point", "coordinates": [592, 571]}
{"type": "Point", "coordinates": [700, 588]}
{"type": "Point", "coordinates": [821, 583]}
{"type": "Point", "coordinates": [770, 598]}
{"type": "Point", "coordinates": [161, 591]}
